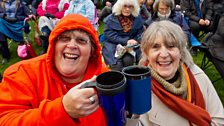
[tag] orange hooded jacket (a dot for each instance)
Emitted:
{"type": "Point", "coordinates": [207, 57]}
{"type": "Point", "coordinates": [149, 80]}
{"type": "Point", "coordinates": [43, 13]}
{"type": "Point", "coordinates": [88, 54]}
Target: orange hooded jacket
{"type": "Point", "coordinates": [31, 90]}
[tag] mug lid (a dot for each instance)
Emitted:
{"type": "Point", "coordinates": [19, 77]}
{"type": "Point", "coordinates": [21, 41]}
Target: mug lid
{"type": "Point", "coordinates": [110, 79]}
{"type": "Point", "coordinates": [136, 72]}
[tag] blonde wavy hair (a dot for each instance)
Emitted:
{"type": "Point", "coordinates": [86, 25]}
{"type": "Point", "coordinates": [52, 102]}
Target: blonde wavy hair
{"type": "Point", "coordinates": [171, 33]}
{"type": "Point", "coordinates": [120, 4]}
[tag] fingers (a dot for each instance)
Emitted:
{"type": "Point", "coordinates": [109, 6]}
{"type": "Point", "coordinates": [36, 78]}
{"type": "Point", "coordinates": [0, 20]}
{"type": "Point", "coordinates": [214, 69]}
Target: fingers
{"type": "Point", "coordinates": [132, 42]}
{"type": "Point", "coordinates": [132, 116]}
{"type": "Point", "coordinates": [81, 106]}
{"type": "Point", "coordinates": [80, 102]}
{"type": "Point", "coordinates": [89, 80]}
{"type": "Point", "coordinates": [91, 110]}
{"type": "Point", "coordinates": [92, 106]}
{"type": "Point", "coordinates": [93, 78]}
{"type": "Point", "coordinates": [93, 99]}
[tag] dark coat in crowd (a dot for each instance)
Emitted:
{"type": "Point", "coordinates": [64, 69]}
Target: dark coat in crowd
{"type": "Point", "coordinates": [175, 17]}
{"type": "Point", "coordinates": [215, 41]}
{"type": "Point", "coordinates": [213, 10]}
{"type": "Point", "coordinates": [189, 8]}
{"type": "Point", "coordinates": [115, 35]}
{"type": "Point", "coordinates": [20, 13]}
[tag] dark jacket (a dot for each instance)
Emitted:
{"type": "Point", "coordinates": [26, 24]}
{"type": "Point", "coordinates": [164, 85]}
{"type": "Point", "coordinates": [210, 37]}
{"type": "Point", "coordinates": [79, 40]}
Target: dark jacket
{"type": "Point", "coordinates": [35, 3]}
{"type": "Point", "coordinates": [21, 13]}
{"type": "Point", "coordinates": [115, 35]}
{"type": "Point", "coordinates": [175, 17]}
{"type": "Point", "coordinates": [212, 8]}
{"type": "Point", "coordinates": [144, 12]}
{"type": "Point", "coordinates": [215, 41]}
{"type": "Point", "coordinates": [188, 7]}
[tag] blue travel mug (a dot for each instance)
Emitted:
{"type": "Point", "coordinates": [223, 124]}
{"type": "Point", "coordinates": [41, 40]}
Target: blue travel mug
{"type": "Point", "coordinates": [138, 90]}
{"type": "Point", "coordinates": [111, 87]}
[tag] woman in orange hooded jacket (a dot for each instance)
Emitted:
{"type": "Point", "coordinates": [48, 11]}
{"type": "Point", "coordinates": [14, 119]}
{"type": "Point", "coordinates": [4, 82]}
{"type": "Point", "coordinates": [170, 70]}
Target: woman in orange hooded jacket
{"type": "Point", "coordinates": [46, 90]}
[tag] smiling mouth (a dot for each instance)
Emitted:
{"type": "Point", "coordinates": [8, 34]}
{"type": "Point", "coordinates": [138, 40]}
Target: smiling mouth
{"type": "Point", "coordinates": [164, 63]}
{"type": "Point", "coordinates": [71, 56]}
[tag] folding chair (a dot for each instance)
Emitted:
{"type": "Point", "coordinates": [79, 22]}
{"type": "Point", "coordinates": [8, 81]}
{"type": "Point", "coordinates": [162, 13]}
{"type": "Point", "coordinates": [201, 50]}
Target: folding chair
{"type": "Point", "coordinates": [101, 38]}
{"type": "Point", "coordinates": [194, 41]}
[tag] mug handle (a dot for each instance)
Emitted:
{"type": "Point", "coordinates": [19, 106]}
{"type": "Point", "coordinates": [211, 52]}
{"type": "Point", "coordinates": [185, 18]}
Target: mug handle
{"type": "Point", "coordinates": [88, 85]}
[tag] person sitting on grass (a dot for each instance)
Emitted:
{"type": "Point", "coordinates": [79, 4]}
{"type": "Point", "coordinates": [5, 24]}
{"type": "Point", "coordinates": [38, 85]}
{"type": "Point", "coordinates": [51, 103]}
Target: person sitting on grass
{"type": "Point", "coordinates": [12, 15]}
{"type": "Point", "coordinates": [122, 30]}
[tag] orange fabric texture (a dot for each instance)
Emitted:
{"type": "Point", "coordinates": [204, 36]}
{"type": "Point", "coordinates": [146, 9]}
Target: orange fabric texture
{"type": "Point", "coordinates": [31, 91]}
{"type": "Point", "coordinates": [189, 95]}
{"type": "Point", "coordinates": [195, 113]}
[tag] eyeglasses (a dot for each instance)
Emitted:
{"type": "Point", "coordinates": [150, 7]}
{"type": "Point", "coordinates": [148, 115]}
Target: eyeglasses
{"type": "Point", "coordinates": [66, 39]}
{"type": "Point", "coordinates": [128, 6]}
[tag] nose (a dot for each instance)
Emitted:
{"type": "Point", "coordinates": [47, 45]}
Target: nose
{"type": "Point", "coordinates": [164, 52]}
{"type": "Point", "coordinates": [73, 43]}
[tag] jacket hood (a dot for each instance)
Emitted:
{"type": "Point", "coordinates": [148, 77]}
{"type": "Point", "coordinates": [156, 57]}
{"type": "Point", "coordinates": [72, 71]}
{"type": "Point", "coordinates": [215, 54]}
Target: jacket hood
{"type": "Point", "coordinates": [71, 22]}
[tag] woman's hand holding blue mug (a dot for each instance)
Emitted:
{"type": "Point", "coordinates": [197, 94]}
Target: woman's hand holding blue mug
{"type": "Point", "coordinates": [123, 92]}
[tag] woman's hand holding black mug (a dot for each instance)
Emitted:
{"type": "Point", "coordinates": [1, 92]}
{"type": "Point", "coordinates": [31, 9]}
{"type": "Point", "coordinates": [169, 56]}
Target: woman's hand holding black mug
{"type": "Point", "coordinates": [121, 94]}
{"type": "Point", "coordinates": [79, 102]}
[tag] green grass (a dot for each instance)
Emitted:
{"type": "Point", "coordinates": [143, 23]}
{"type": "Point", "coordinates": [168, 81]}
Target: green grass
{"type": "Point", "coordinates": [213, 75]}
{"type": "Point", "coordinates": [211, 71]}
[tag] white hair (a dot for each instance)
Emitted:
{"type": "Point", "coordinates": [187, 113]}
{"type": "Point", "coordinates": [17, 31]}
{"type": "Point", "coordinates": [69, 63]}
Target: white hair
{"type": "Point", "coordinates": [120, 4]}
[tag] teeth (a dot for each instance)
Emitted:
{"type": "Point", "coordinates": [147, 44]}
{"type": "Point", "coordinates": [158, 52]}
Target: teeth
{"type": "Point", "coordinates": [164, 63]}
{"type": "Point", "coordinates": [71, 56]}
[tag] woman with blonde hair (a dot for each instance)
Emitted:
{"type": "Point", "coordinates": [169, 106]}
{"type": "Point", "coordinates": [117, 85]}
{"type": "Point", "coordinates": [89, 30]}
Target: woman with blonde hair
{"type": "Point", "coordinates": [182, 94]}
